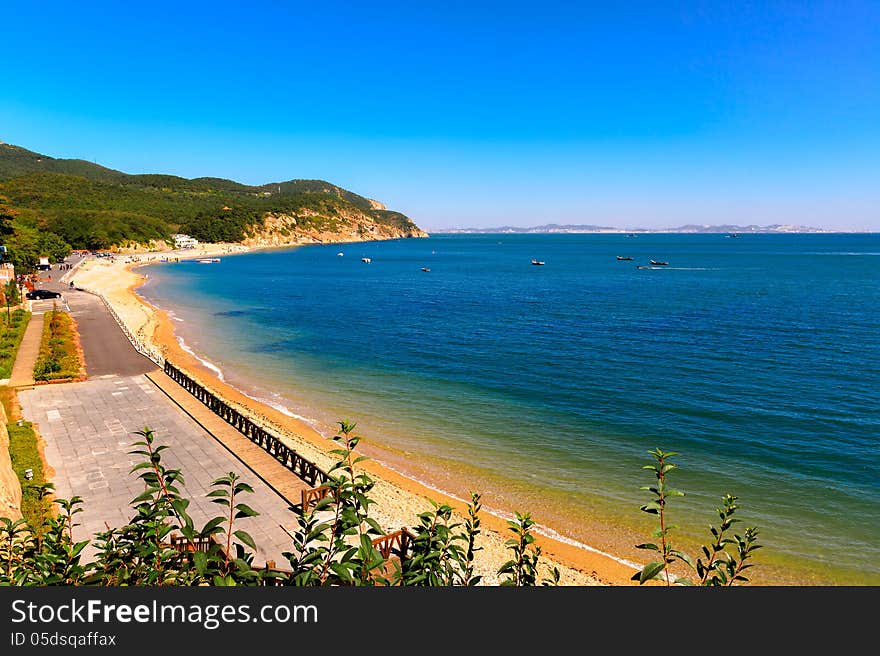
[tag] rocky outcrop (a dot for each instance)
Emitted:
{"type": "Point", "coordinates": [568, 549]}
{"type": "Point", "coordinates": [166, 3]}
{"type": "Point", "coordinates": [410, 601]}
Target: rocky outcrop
{"type": "Point", "coordinates": [309, 227]}
{"type": "Point", "coordinates": [10, 488]}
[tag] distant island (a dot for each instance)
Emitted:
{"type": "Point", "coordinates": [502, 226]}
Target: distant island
{"type": "Point", "coordinates": [690, 228]}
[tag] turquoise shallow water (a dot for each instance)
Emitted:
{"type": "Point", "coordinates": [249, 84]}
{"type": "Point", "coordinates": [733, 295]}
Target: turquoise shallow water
{"type": "Point", "coordinates": [757, 358]}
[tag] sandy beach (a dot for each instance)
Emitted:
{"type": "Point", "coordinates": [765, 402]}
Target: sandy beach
{"type": "Point", "coordinates": [399, 499]}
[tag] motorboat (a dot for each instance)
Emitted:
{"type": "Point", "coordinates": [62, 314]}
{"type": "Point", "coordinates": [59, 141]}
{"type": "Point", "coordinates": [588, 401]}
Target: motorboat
{"type": "Point", "coordinates": [340, 254]}
{"type": "Point", "coordinates": [366, 259]}
{"type": "Point", "coordinates": [621, 258]}
{"type": "Point", "coordinates": [656, 263]}
{"type": "Point", "coordinates": [538, 262]}
{"type": "Point", "coordinates": [425, 269]}
{"type": "Point", "coordinates": [208, 260]}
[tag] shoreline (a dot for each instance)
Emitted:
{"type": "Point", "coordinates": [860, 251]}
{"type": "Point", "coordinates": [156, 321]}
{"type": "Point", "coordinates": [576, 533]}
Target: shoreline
{"type": "Point", "coordinates": [400, 497]}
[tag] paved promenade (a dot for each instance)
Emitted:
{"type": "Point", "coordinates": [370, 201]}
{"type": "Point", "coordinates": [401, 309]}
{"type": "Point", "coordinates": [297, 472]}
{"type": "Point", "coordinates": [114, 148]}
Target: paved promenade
{"type": "Point", "coordinates": [89, 428]}
{"type": "Point", "coordinates": [278, 477]}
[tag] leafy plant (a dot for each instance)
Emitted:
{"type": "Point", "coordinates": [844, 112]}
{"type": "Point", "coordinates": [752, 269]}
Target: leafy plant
{"type": "Point", "coordinates": [717, 566]}
{"type": "Point", "coordinates": [522, 569]}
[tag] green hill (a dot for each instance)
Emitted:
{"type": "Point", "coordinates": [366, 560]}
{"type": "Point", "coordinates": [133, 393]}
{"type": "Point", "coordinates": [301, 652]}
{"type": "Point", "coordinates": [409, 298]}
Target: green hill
{"type": "Point", "coordinates": [91, 206]}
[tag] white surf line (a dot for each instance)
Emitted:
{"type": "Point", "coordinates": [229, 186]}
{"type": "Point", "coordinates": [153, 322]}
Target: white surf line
{"type": "Point", "coordinates": [206, 363]}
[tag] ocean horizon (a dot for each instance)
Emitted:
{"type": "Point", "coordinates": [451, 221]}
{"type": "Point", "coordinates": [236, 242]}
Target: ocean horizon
{"type": "Point", "coordinates": [543, 387]}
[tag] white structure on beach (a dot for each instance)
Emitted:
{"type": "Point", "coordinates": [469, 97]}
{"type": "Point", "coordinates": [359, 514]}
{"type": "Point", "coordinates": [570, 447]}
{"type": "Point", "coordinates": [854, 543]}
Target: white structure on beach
{"type": "Point", "coordinates": [184, 241]}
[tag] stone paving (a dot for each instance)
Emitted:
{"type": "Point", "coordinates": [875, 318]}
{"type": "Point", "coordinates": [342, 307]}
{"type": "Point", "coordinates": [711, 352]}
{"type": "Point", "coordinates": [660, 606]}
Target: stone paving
{"type": "Point", "coordinates": [89, 428]}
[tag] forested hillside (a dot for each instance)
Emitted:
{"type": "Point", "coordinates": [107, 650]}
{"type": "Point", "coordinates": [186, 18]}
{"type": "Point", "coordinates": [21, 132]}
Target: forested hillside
{"type": "Point", "coordinates": [50, 204]}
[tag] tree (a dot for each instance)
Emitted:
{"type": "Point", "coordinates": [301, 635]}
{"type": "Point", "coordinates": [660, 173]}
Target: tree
{"type": "Point", "coordinates": [12, 293]}
{"type": "Point", "coordinates": [7, 216]}
{"type": "Point", "coordinates": [54, 246]}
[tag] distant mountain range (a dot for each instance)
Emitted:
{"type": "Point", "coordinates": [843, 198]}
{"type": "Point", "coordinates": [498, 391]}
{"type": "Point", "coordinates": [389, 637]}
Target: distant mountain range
{"type": "Point", "coordinates": [690, 228]}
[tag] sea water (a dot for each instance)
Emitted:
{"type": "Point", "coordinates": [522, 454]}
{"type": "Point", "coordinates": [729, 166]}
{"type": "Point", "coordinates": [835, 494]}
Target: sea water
{"type": "Point", "coordinates": [756, 358]}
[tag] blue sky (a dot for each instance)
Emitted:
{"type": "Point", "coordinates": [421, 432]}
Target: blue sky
{"type": "Point", "coordinates": [472, 113]}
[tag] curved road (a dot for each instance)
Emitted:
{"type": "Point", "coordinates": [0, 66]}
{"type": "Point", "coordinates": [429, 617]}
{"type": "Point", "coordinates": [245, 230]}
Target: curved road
{"type": "Point", "coordinates": [106, 348]}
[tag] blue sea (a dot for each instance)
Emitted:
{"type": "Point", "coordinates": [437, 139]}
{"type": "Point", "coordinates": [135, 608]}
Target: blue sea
{"type": "Point", "coordinates": [756, 358]}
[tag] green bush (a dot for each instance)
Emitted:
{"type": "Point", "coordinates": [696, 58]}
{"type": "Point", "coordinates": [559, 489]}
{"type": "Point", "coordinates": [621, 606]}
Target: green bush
{"type": "Point", "coordinates": [25, 455]}
{"type": "Point", "coordinates": [58, 358]}
{"type": "Point", "coordinates": [10, 339]}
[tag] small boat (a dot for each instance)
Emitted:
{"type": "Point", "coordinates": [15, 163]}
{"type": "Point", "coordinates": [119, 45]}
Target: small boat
{"type": "Point", "coordinates": [631, 235]}
{"type": "Point", "coordinates": [538, 262]}
{"type": "Point", "coordinates": [425, 269]}
{"type": "Point", "coordinates": [340, 254]}
{"type": "Point", "coordinates": [366, 259]}
{"type": "Point", "coordinates": [656, 263]}
{"type": "Point", "coordinates": [208, 260]}
{"type": "Point", "coordinates": [621, 258]}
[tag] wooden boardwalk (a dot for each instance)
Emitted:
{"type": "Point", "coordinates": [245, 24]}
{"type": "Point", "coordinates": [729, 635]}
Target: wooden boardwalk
{"type": "Point", "coordinates": [264, 465]}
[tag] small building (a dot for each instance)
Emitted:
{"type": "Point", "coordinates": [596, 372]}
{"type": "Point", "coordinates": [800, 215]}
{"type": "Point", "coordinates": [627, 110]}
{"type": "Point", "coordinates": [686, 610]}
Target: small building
{"type": "Point", "coordinates": [7, 272]}
{"type": "Point", "coordinates": [184, 241]}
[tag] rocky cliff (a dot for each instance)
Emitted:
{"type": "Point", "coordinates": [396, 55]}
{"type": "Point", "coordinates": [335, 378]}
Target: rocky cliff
{"type": "Point", "coordinates": [309, 227]}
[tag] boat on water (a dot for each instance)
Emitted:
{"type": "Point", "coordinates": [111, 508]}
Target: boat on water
{"type": "Point", "coordinates": [538, 262]}
{"type": "Point", "coordinates": [621, 258]}
{"type": "Point", "coordinates": [208, 260]}
{"type": "Point", "coordinates": [366, 259]}
{"type": "Point", "coordinates": [658, 263]}
{"type": "Point", "coordinates": [425, 269]}
{"type": "Point", "coordinates": [340, 254]}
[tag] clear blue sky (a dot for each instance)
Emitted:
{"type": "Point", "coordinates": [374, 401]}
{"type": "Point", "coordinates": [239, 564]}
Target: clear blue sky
{"type": "Point", "coordinates": [472, 113]}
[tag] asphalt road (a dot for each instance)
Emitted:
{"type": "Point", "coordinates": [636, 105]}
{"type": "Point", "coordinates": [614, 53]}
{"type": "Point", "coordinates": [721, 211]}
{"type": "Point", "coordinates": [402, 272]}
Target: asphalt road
{"type": "Point", "coordinates": [107, 350]}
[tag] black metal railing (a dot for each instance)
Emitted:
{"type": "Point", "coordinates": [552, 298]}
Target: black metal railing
{"type": "Point", "coordinates": [304, 469]}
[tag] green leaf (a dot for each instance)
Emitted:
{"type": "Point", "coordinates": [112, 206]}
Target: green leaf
{"type": "Point", "coordinates": [200, 558]}
{"type": "Point", "coordinates": [246, 538]}
{"type": "Point", "coordinates": [650, 571]}
{"type": "Point", "coordinates": [683, 557]}
{"type": "Point", "coordinates": [648, 545]}
{"type": "Point", "coordinates": [143, 497]}
{"type": "Point", "coordinates": [180, 505]}
{"type": "Point", "coordinates": [244, 511]}
{"type": "Point", "coordinates": [652, 507]}
{"type": "Point", "coordinates": [212, 525]}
